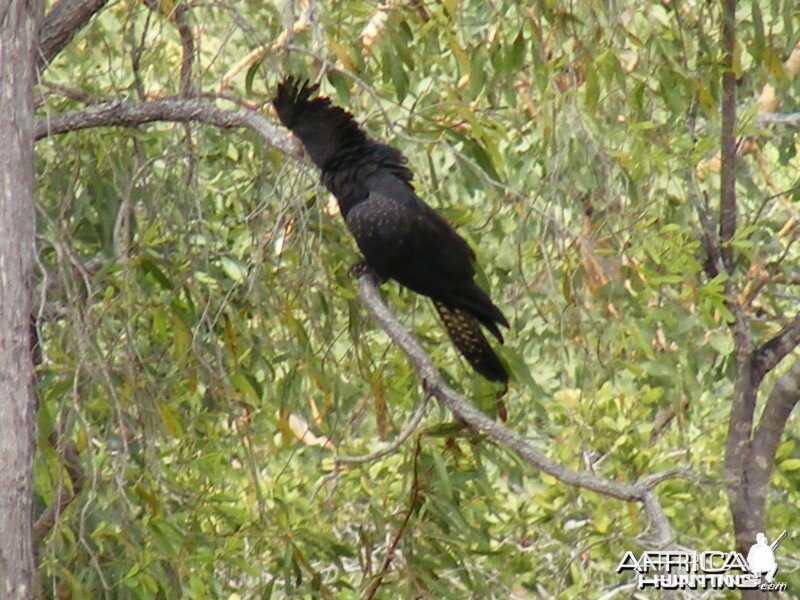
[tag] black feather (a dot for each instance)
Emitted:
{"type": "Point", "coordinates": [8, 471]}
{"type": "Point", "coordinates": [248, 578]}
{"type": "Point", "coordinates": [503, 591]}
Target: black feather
{"type": "Point", "coordinates": [399, 235]}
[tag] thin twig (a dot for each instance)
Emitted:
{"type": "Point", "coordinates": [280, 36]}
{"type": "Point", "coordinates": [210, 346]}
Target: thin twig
{"type": "Point", "coordinates": [416, 419]}
{"type": "Point", "coordinates": [390, 551]}
{"type": "Point", "coordinates": [63, 495]}
{"type": "Point", "coordinates": [256, 54]}
{"type": "Point", "coordinates": [727, 206]}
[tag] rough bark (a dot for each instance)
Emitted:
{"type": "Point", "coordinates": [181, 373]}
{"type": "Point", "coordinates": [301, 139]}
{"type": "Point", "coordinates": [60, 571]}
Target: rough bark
{"type": "Point", "coordinates": [62, 22]}
{"type": "Point", "coordinates": [767, 436]}
{"type": "Point", "coordinates": [128, 114]}
{"type": "Point", "coordinates": [750, 448]}
{"type": "Point", "coordinates": [18, 29]}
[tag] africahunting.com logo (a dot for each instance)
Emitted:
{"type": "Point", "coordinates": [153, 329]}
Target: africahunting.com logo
{"type": "Point", "coordinates": [713, 570]}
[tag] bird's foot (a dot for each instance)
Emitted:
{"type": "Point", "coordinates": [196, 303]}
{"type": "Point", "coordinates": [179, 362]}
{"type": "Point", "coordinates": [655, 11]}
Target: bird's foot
{"type": "Point", "coordinates": [358, 269]}
{"type": "Point", "coordinates": [361, 269]}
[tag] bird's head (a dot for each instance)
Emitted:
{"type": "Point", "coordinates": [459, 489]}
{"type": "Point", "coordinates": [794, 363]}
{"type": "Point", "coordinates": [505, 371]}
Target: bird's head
{"type": "Point", "coordinates": [294, 99]}
{"type": "Point", "coordinates": [321, 126]}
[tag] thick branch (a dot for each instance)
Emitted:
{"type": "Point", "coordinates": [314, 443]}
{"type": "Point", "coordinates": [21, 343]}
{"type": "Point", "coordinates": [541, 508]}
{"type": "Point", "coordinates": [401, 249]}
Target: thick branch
{"type": "Point", "coordinates": [61, 23]}
{"type": "Point", "coordinates": [476, 420]}
{"type": "Point", "coordinates": [784, 397]}
{"type": "Point", "coordinates": [740, 425]}
{"type": "Point", "coordinates": [130, 114]}
{"type": "Point", "coordinates": [19, 23]}
{"type": "Point", "coordinates": [775, 350]}
{"type": "Point", "coordinates": [181, 18]}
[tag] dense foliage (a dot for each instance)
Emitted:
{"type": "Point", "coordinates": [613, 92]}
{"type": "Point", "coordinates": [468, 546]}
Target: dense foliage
{"type": "Point", "coordinates": [197, 317]}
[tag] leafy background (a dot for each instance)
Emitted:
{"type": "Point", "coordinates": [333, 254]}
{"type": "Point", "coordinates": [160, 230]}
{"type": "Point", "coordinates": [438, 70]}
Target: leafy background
{"type": "Point", "coordinates": [206, 354]}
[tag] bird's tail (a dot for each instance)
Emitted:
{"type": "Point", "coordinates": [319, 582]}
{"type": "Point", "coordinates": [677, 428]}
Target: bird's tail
{"type": "Point", "coordinates": [472, 299]}
{"type": "Point", "coordinates": [468, 338]}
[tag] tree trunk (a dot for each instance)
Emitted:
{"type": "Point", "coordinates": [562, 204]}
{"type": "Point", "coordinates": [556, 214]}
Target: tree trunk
{"type": "Point", "coordinates": [18, 24]}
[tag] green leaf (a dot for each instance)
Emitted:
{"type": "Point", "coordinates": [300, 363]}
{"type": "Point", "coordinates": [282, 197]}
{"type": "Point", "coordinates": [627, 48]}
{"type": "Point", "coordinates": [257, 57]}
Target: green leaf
{"type": "Point", "coordinates": [151, 268]}
{"type": "Point", "coordinates": [790, 465]}
{"type": "Point", "coordinates": [591, 87]}
{"type": "Point", "coordinates": [245, 386]}
{"type": "Point", "coordinates": [251, 73]}
{"type": "Point", "coordinates": [758, 31]}
{"type": "Point", "coordinates": [517, 53]}
{"type": "Point", "coordinates": [234, 269]}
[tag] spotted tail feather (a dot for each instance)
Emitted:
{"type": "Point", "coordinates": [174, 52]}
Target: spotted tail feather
{"type": "Point", "coordinates": [468, 338]}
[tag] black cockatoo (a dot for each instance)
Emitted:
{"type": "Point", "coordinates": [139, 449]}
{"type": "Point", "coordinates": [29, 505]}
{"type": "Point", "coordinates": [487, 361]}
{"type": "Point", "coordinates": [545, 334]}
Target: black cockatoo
{"type": "Point", "coordinates": [400, 236]}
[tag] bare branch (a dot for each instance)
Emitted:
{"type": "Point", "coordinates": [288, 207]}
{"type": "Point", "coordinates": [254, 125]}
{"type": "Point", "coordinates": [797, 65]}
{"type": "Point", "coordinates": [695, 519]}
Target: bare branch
{"type": "Point", "coordinates": [416, 419]}
{"type": "Point", "coordinates": [478, 421]}
{"type": "Point", "coordinates": [775, 350]}
{"type": "Point", "coordinates": [60, 24]}
{"type": "Point", "coordinates": [130, 114]}
{"type": "Point", "coordinates": [652, 480]}
{"type": "Point", "coordinates": [68, 92]}
{"type": "Point", "coordinates": [181, 19]}
{"type": "Point", "coordinates": [791, 120]}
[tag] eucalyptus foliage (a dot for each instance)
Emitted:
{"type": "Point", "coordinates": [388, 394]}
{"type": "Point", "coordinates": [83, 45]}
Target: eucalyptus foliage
{"type": "Point", "coordinates": [218, 320]}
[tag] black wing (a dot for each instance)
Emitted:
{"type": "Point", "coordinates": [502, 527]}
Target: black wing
{"type": "Point", "coordinates": [403, 238]}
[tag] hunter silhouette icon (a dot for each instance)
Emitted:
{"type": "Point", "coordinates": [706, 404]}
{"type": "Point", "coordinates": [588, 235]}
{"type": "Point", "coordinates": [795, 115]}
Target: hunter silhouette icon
{"type": "Point", "coordinates": [761, 558]}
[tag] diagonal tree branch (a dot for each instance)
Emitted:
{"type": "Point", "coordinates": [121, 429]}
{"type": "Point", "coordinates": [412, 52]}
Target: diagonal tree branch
{"type": "Point", "coordinates": [60, 24]}
{"type": "Point", "coordinates": [434, 384]}
{"type": "Point", "coordinates": [776, 349]}
{"type": "Point", "coordinates": [767, 436]}
{"type": "Point", "coordinates": [131, 114]}
{"type": "Point", "coordinates": [416, 419]}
